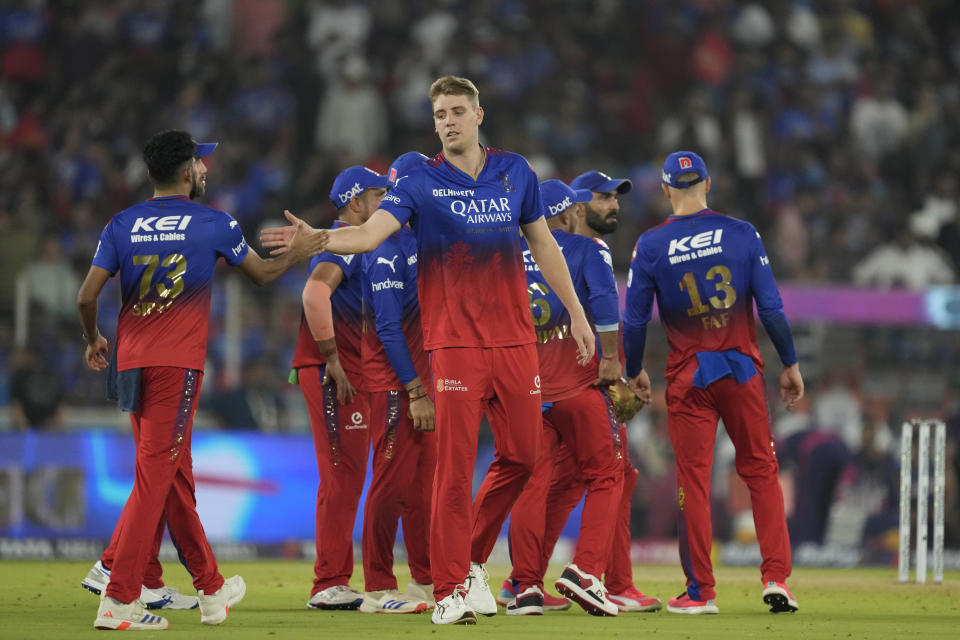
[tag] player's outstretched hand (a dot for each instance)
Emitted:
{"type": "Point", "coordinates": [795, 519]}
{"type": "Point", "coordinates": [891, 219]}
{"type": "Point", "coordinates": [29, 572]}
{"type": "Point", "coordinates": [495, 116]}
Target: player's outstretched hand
{"type": "Point", "coordinates": [334, 373]}
{"type": "Point", "coordinates": [422, 413]}
{"type": "Point", "coordinates": [640, 384]}
{"type": "Point", "coordinates": [791, 386]}
{"type": "Point", "coordinates": [96, 354]}
{"type": "Point", "coordinates": [583, 334]}
{"type": "Point", "coordinates": [279, 239]}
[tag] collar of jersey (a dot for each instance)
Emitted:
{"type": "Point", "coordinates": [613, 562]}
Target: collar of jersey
{"type": "Point", "coordinates": [691, 215]}
{"type": "Point", "coordinates": [176, 197]}
{"type": "Point", "coordinates": [464, 173]}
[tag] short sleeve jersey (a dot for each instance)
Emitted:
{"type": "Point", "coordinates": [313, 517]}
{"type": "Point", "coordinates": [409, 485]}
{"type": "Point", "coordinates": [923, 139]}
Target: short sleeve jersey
{"type": "Point", "coordinates": [471, 278]}
{"type": "Point", "coordinates": [165, 250]}
{"type": "Point", "coordinates": [390, 305]}
{"type": "Point", "coordinates": [591, 270]}
{"type": "Point", "coordinates": [347, 308]}
{"type": "Point", "coordinates": [705, 270]}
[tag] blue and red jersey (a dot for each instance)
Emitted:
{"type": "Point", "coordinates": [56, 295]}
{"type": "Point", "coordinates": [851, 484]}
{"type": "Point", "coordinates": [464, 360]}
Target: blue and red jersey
{"type": "Point", "coordinates": [347, 304]}
{"type": "Point", "coordinates": [705, 270]}
{"type": "Point", "coordinates": [393, 353]}
{"type": "Point", "coordinates": [591, 270]}
{"type": "Point", "coordinates": [165, 250]}
{"type": "Point", "coordinates": [471, 283]}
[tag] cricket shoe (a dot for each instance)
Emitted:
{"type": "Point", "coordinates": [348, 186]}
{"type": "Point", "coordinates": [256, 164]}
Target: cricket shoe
{"type": "Point", "coordinates": [683, 603]}
{"type": "Point", "coordinates": [507, 593]}
{"type": "Point", "coordinates": [633, 599]}
{"type": "Point", "coordinates": [390, 601]}
{"type": "Point", "coordinates": [423, 592]}
{"type": "Point", "coordinates": [453, 610]}
{"type": "Point", "coordinates": [215, 607]}
{"type": "Point", "coordinates": [528, 602]}
{"type": "Point", "coordinates": [339, 597]}
{"type": "Point", "coordinates": [585, 590]}
{"type": "Point", "coordinates": [550, 602]}
{"type": "Point", "coordinates": [779, 598]}
{"type": "Point", "coordinates": [163, 598]}
{"type": "Point", "coordinates": [478, 595]}
{"type": "Point", "coordinates": [114, 614]}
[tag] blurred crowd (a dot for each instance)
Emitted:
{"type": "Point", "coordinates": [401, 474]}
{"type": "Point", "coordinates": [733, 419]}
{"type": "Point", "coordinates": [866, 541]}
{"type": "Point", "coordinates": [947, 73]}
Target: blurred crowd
{"type": "Point", "coordinates": [833, 126]}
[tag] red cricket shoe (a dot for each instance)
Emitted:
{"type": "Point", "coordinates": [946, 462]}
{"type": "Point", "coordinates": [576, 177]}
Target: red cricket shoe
{"type": "Point", "coordinates": [633, 599]}
{"type": "Point", "coordinates": [779, 598]}
{"type": "Point", "coordinates": [683, 603]}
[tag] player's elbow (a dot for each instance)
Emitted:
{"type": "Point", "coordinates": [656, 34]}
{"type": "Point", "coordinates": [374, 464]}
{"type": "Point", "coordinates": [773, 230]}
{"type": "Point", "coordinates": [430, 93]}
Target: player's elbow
{"type": "Point", "coordinates": [86, 298]}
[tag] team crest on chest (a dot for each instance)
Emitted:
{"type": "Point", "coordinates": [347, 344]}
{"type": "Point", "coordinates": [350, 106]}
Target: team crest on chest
{"type": "Point", "coordinates": [504, 179]}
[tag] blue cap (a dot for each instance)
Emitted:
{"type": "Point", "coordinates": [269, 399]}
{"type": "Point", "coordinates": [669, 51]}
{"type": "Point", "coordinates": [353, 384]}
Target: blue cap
{"type": "Point", "coordinates": [599, 181]}
{"type": "Point", "coordinates": [204, 149]}
{"type": "Point", "coordinates": [354, 181]}
{"type": "Point", "coordinates": [402, 165]}
{"type": "Point", "coordinates": [681, 162]}
{"type": "Point", "coordinates": [558, 197]}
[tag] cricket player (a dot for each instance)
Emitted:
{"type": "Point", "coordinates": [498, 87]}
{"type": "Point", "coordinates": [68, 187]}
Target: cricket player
{"type": "Point", "coordinates": [165, 250]}
{"type": "Point", "coordinates": [592, 218]}
{"type": "Point", "coordinates": [401, 421]}
{"type": "Point", "coordinates": [576, 413]}
{"type": "Point", "coordinates": [706, 270]}
{"type": "Point", "coordinates": [328, 366]}
{"type": "Point", "coordinates": [466, 206]}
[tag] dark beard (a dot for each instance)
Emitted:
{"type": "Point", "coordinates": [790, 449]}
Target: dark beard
{"type": "Point", "coordinates": [598, 224]}
{"type": "Point", "coordinates": [196, 189]}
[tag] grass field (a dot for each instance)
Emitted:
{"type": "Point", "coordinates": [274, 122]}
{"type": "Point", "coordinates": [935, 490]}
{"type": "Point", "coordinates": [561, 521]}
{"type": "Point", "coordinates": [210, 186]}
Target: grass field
{"type": "Point", "coordinates": [44, 600]}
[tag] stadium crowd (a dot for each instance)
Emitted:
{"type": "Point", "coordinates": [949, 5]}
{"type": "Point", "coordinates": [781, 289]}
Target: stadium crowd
{"type": "Point", "coordinates": [833, 126]}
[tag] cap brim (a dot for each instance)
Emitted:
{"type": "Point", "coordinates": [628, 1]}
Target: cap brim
{"type": "Point", "coordinates": [620, 186]}
{"type": "Point", "coordinates": [582, 195]}
{"type": "Point", "coordinates": [205, 148]}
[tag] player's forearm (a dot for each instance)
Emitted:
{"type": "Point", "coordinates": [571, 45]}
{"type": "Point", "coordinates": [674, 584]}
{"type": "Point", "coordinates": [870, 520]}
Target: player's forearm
{"type": "Point", "coordinates": [609, 344]}
{"type": "Point", "coordinates": [87, 310]}
{"type": "Point", "coordinates": [272, 268]}
{"type": "Point", "coordinates": [398, 352]}
{"type": "Point", "coordinates": [634, 342]}
{"type": "Point", "coordinates": [777, 327]}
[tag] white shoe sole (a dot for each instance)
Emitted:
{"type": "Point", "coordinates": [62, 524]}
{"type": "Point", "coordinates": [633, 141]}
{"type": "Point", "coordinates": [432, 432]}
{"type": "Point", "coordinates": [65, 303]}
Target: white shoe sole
{"type": "Point", "coordinates": [583, 598]}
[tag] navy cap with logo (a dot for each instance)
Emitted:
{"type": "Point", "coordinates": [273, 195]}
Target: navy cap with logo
{"type": "Point", "coordinates": [402, 165]}
{"type": "Point", "coordinates": [558, 197]}
{"type": "Point", "coordinates": [599, 181]}
{"type": "Point", "coordinates": [354, 181]}
{"type": "Point", "coordinates": [681, 162]}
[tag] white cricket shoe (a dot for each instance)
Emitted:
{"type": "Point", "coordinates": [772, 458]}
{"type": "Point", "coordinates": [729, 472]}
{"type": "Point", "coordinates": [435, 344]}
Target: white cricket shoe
{"type": "Point", "coordinates": [163, 598]}
{"type": "Point", "coordinates": [390, 601]}
{"type": "Point", "coordinates": [479, 598]}
{"type": "Point", "coordinates": [338, 597]}
{"type": "Point", "coordinates": [171, 598]}
{"type": "Point", "coordinates": [453, 610]}
{"type": "Point", "coordinates": [422, 592]}
{"type": "Point", "coordinates": [215, 607]}
{"type": "Point", "coordinates": [528, 602]}
{"type": "Point", "coordinates": [586, 590]}
{"type": "Point", "coordinates": [114, 614]}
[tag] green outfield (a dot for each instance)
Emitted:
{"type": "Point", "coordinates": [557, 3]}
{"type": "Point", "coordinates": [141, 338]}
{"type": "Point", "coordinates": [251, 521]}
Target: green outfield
{"type": "Point", "coordinates": [45, 600]}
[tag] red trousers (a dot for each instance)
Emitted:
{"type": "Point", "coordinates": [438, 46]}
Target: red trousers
{"type": "Point", "coordinates": [504, 382]}
{"type": "Point", "coordinates": [341, 437]}
{"type": "Point", "coordinates": [585, 429]}
{"type": "Point", "coordinates": [692, 416]}
{"type": "Point", "coordinates": [162, 486]}
{"type": "Point", "coordinates": [404, 462]}
{"type": "Point", "coordinates": [153, 573]}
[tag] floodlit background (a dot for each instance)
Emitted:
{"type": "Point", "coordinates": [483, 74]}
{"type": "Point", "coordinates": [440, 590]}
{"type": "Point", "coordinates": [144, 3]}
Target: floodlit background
{"type": "Point", "coordinates": [833, 126]}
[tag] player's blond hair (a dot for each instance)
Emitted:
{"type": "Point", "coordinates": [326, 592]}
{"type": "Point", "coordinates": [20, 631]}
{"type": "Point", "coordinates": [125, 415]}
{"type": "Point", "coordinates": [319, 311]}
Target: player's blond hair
{"type": "Point", "coordinates": [454, 86]}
